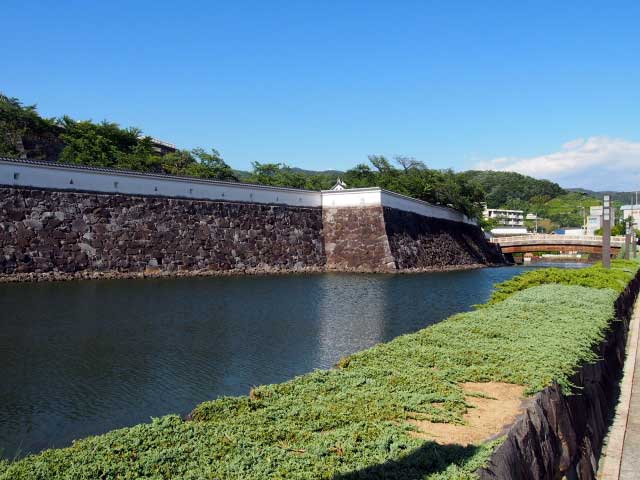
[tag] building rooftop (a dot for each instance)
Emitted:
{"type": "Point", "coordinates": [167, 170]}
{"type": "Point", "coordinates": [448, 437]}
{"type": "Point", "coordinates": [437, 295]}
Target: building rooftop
{"type": "Point", "coordinates": [504, 210]}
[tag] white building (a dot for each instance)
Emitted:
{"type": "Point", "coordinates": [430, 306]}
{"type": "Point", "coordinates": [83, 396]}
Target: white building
{"type": "Point", "coordinates": [594, 222]}
{"type": "Point", "coordinates": [508, 218]}
{"type": "Point", "coordinates": [508, 231]}
{"type": "Point", "coordinates": [573, 232]}
{"type": "Point", "coordinates": [632, 211]}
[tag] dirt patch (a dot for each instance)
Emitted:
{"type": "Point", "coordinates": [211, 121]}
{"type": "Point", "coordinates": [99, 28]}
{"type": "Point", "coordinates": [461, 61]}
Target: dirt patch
{"type": "Point", "coordinates": [489, 417]}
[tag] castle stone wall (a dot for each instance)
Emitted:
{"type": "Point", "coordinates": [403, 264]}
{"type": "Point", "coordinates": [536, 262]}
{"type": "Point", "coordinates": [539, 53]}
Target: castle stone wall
{"type": "Point", "coordinates": [355, 239]}
{"type": "Point", "coordinates": [43, 231]}
{"type": "Point", "coordinates": [67, 233]}
{"type": "Point", "coordinates": [418, 242]}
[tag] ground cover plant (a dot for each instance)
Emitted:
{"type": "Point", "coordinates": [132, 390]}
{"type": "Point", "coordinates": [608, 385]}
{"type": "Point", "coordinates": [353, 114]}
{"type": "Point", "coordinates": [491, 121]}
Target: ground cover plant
{"type": "Point", "coordinates": [352, 422]}
{"type": "Point", "coordinates": [596, 276]}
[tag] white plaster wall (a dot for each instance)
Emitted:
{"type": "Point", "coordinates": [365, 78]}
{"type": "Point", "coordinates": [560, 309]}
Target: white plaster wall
{"type": "Point", "coordinates": [356, 197]}
{"type": "Point", "coordinates": [353, 197]}
{"type": "Point", "coordinates": [60, 177]}
{"type": "Point", "coordinates": [69, 177]}
{"type": "Point", "coordinates": [408, 204]}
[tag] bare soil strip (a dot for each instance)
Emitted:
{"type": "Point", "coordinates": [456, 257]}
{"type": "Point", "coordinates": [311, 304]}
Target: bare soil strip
{"type": "Point", "coordinates": [489, 417]}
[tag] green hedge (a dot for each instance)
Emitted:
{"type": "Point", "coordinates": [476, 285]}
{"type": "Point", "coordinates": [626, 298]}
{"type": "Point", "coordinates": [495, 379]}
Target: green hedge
{"type": "Point", "coordinates": [353, 418]}
{"type": "Point", "coordinates": [616, 278]}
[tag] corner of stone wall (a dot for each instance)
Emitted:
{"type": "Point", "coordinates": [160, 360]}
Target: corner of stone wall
{"type": "Point", "coordinates": [355, 239]}
{"type": "Point", "coordinates": [427, 243]}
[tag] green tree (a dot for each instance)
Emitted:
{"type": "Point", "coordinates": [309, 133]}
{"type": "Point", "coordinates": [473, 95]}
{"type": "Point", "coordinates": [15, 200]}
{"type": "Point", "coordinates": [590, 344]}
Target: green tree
{"type": "Point", "coordinates": [19, 123]}
{"type": "Point", "coordinates": [210, 165]}
{"type": "Point", "coordinates": [281, 175]}
{"type": "Point", "coordinates": [517, 204]}
{"type": "Point", "coordinates": [500, 187]}
{"type": "Point", "coordinates": [266, 173]}
{"type": "Point", "coordinates": [198, 163]}
{"type": "Point", "coordinates": [414, 179]}
{"type": "Point", "coordinates": [85, 145]}
{"type": "Point", "coordinates": [141, 157]}
{"type": "Point", "coordinates": [177, 163]}
{"type": "Point", "coordinates": [360, 176]}
{"type": "Point", "coordinates": [488, 224]}
{"type": "Point", "coordinates": [547, 226]}
{"type": "Point", "coordinates": [105, 145]}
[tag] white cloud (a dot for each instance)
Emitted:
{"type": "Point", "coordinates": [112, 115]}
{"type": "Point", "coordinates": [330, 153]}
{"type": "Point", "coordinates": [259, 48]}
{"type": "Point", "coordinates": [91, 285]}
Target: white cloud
{"type": "Point", "coordinates": [597, 163]}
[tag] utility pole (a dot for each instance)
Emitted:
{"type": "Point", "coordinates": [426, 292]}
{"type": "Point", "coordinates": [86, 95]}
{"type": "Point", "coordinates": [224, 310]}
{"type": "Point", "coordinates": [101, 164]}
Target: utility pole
{"type": "Point", "coordinates": [584, 219]}
{"type": "Point", "coordinates": [606, 232]}
{"type": "Point", "coordinates": [627, 241]}
{"type": "Point", "coordinates": [634, 244]}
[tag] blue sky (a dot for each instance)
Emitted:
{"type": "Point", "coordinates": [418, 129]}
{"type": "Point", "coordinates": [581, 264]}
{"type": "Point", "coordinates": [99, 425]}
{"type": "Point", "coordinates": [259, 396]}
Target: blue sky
{"type": "Point", "coordinates": [548, 88]}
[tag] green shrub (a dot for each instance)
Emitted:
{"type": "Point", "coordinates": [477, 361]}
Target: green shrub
{"type": "Point", "coordinates": [615, 278]}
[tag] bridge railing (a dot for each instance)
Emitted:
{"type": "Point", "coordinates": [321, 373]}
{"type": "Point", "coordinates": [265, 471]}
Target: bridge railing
{"type": "Point", "coordinates": [538, 238]}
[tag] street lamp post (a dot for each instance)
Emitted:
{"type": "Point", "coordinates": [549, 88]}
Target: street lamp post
{"type": "Point", "coordinates": [627, 241]}
{"type": "Point", "coordinates": [606, 232]}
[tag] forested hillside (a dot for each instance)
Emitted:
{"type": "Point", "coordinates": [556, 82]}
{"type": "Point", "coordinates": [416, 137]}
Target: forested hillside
{"type": "Point", "coordinates": [624, 198]}
{"type": "Point", "coordinates": [513, 190]}
{"type": "Point", "coordinates": [554, 206]}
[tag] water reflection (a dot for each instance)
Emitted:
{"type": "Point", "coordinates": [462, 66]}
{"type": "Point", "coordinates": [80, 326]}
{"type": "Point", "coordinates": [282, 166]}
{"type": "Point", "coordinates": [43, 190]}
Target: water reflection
{"type": "Point", "coordinates": [347, 322]}
{"type": "Point", "coordinates": [81, 358]}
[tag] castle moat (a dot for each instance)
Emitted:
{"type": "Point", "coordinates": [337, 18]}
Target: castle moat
{"type": "Point", "coordinates": [82, 358]}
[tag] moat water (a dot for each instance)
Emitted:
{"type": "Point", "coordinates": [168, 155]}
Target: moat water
{"type": "Point", "coordinates": [82, 358]}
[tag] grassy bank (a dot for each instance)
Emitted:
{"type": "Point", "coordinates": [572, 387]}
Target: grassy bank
{"type": "Point", "coordinates": [352, 421]}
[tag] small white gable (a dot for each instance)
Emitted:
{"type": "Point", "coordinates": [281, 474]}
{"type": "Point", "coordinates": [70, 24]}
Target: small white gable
{"type": "Point", "coordinates": [340, 185]}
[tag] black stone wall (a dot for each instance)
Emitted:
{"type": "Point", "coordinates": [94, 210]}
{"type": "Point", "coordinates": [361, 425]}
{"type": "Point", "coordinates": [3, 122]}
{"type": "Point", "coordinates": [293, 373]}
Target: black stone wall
{"type": "Point", "coordinates": [419, 242]}
{"type": "Point", "coordinates": [73, 234]}
{"type": "Point", "coordinates": [355, 240]}
{"type": "Point", "coordinates": [43, 231]}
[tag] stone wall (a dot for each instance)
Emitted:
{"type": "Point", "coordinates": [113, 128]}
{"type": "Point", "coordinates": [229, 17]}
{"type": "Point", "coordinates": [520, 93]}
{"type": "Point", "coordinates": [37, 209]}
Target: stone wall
{"type": "Point", "coordinates": [73, 234]}
{"type": "Point", "coordinates": [43, 231]}
{"type": "Point", "coordinates": [418, 242]}
{"type": "Point", "coordinates": [384, 239]}
{"type": "Point", "coordinates": [355, 239]}
{"type": "Point", "coordinates": [561, 435]}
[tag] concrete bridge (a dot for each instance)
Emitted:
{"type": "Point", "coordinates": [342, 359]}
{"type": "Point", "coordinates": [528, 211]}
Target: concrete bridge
{"type": "Point", "coordinates": [556, 243]}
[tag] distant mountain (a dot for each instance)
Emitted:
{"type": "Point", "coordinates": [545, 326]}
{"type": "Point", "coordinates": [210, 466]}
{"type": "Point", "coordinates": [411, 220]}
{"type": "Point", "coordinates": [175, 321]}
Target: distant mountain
{"type": "Point", "coordinates": [241, 174]}
{"type": "Point", "coordinates": [510, 188]}
{"type": "Point", "coordinates": [624, 198]}
{"type": "Point", "coordinates": [555, 206]}
{"type": "Point", "coordinates": [334, 174]}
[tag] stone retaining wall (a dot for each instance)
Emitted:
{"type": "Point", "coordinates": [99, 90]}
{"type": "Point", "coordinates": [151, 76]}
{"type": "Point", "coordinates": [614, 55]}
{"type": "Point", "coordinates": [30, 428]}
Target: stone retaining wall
{"type": "Point", "coordinates": [384, 239]}
{"type": "Point", "coordinates": [561, 436]}
{"type": "Point", "coordinates": [418, 242]}
{"type": "Point", "coordinates": [43, 231]}
{"type": "Point", "coordinates": [50, 234]}
{"type": "Point", "coordinates": [355, 239]}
